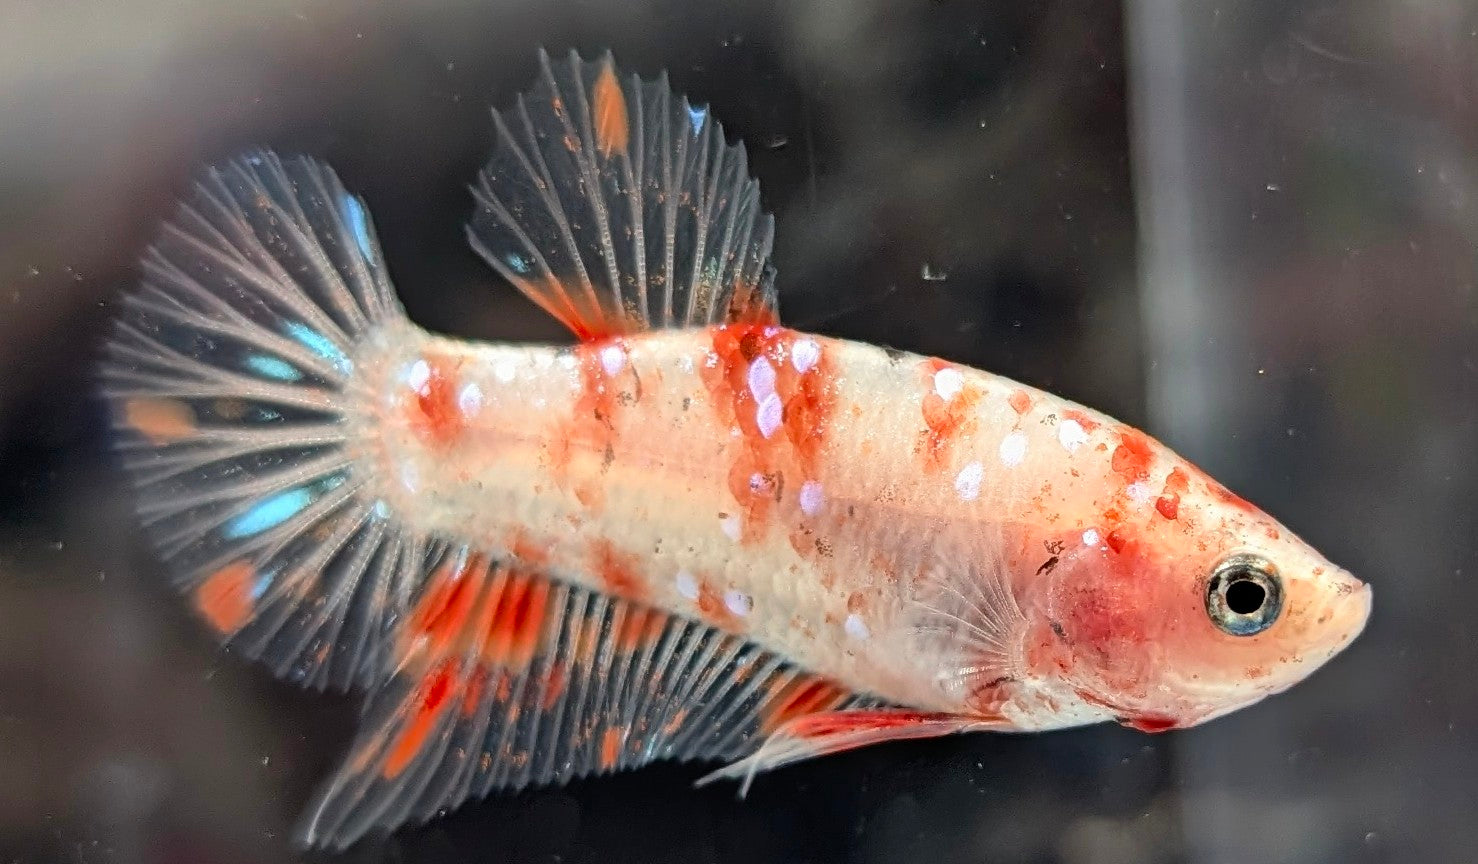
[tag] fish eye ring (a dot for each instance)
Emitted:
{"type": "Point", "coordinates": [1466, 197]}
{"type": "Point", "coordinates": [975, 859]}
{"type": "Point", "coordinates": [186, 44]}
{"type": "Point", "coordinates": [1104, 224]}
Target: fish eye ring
{"type": "Point", "coordinates": [1244, 595]}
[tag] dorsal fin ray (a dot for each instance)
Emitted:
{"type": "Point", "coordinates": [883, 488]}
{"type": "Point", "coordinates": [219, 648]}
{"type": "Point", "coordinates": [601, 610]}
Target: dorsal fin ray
{"type": "Point", "coordinates": [617, 207]}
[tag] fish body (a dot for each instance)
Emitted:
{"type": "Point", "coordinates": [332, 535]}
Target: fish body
{"type": "Point", "coordinates": [696, 534]}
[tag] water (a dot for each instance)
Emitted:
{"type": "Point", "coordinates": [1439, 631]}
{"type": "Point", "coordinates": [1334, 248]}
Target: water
{"type": "Point", "coordinates": [1269, 263]}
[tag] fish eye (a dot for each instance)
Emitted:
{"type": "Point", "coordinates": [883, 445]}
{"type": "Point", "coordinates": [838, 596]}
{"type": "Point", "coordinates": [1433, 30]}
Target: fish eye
{"type": "Point", "coordinates": [1244, 595]}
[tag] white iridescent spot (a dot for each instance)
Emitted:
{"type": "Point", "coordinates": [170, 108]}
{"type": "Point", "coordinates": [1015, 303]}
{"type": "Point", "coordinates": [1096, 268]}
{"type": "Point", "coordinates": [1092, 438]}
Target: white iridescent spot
{"type": "Point", "coordinates": [769, 414]}
{"type": "Point", "coordinates": [418, 375]}
{"type": "Point", "coordinates": [948, 382]}
{"type": "Point", "coordinates": [967, 482]}
{"type": "Point", "coordinates": [687, 586]}
{"type": "Point", "coordinates": [856, 627]}
{"type": "Point", "coordinates": [1071, 435]}
{"type": "Point", "coordinates": [738, 602]}
{"type": "Point", "coordinates": [382, 510]}
{"type": "Point", "coordinates": [410, 478]}
{"type": "Point", "coordinates": [613, 359]}
{"type": "Point", "coordinates": [504, 370]}
{"type": "Point", "coordinates": [758, 483]}
{"type": "Point", "coordinates": [731, 527]}
{"type": "Point", "coordinates": [1090, 537]}
{"type": "Point", "coordinates": [761, 379]}
{"type": "Point", "coordinates": [566, 361]}
{"type": "Point", "coordinates": [811, 497]}
{"type": "Point", "coordinates": [1013, 449]}
{"type": "Point", "coordinates": [470, 399]}
{"type": "Point", "coordinates": [805, 355]}
{"type": "Point", "coordinates": [1139, 492]}
{"type": "Point", "coordinates": [685, 363]}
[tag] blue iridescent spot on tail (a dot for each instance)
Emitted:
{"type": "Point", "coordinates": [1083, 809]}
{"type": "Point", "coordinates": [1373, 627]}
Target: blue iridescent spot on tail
{"type": "Point", "coordinates": [272, 367]}
{"type": "Point", "coordinates": [360, 226]}
{"type": "Point", "coordinates": [696, 116]}
{"type": "Point", "coordinates": [277, 509]}
{"type": "Point", "coordinates": [321, 345]}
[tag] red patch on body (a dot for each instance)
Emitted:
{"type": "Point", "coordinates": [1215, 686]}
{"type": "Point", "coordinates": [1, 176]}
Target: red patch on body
{"type": "Point", "coordinates": [777, 387]}
{"type": "Point", "coordinates": [1131, 459]}
{"type": "Point", "coordinates": [1168, 504]}
{"type": "Point", "coordinates": [1117, 540]}
{"type": "Point", "coordinates": [427, 704]}
{"type": "Point", "coordinates": [433, 412]}
{"type": "Point", "coordinates": [1081, 418]}
{"type": "Point", "coordinates": [619, 572]}
{"type": "Point", "coordinates": [1151, 723]}
{"type": "Point", "coordinates": [1020, 401]}
{"type": "Point", "coordinates": [712, 608]}
{"type": "Point", "coordinates": [224, 598]}
{"type": "Point", "coordinates": [944, 419]}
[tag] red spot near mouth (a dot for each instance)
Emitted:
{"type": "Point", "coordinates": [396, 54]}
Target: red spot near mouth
{"type": "Point", "coordinates": [434, 413]}
{"type": "Point", "coordinates": [1131, 458]}
{"type": "Point", "coordinates": [1154, 724]}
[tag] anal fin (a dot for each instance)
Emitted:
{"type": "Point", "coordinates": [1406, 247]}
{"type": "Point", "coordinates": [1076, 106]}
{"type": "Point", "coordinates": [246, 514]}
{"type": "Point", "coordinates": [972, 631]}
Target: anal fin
{"type": "Point", "coordinates": [820, 734]}
{"type": "Point", "coordinates": [505, 679]}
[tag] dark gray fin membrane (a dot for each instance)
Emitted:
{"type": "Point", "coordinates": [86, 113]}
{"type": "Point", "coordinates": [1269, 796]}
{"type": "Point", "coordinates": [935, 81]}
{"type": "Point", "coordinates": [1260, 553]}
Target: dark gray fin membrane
{"type": "Point", "coordinates": [617, 207]}
{"type": "Point", "coordinates": [505, 679]}
{"type": "Point", "coordinates": [229, 374]}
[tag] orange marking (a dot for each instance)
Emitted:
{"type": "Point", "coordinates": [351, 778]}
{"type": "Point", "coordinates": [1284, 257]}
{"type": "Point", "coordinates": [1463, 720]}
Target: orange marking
{"type": "Point", "coordinates": [944, 420]}
{"type": "Point", "coordinates": [476, 684]}
{"type": "Point", "coordinates": [432, 698]}
{"type": "Point", "coordinates": [517, 623]}
{"type": "Point", "coordinates": [1169, 501]}
{"type": "Point", "coordinates": [797, 698]}
{"type": "Point", "coordinates": [1131, 458]}
{"type": "Point", "coordinates": [525, 550]}
{"type": "Point", "coordinates": [224, 598]}
{"type": "Point", "coordinates": [780, 401]}
{"type": "Point", "coordinates": [1020, 401]}
{"type": "Point", "coordinates": [159, 420]}
{"type": "Point", "coordinates": [434, 414]}
{"type": "Point", "coordinates": [1081, 418]}
{"type": "Point", "coordinates": [612, 126]}
{"type": "Point", "coordinates": [711, 606]}
{"type": "Point", "coordinates": [554, 686]}
{"type": "Point", "coordinates": [619, 572]}
{"type": "Point", "coordinates": [610, 748]}
{"type": "Point", "coordinates": [444, 609]}
{"type": "Point", "coordinates": [639, 628]}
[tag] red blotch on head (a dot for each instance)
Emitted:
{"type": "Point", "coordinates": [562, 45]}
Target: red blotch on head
{"type": "Point", "coordinates": [1118, 540]}
{"type": "Point", "coordinates": [433, 412]}
{"type": "Point", "coordinates": [1081, 418]}
{"type": "Point", "coordinates": [427, 704]}
{"type": "Point", "coordinates": [1131, 459]}
{"type": "Point", "coordinates": [224, 598]}
{"type": "Point", "coordinates": [1168, 504]}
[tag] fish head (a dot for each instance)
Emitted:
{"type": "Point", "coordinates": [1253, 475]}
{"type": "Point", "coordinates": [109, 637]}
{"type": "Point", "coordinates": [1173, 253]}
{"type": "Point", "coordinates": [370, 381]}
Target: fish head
{"type": "Point", "coordinates": [1177, 615]}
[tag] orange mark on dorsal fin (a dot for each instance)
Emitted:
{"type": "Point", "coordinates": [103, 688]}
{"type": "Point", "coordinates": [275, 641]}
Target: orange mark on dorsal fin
{"type": "Point", "coordinates": [427, 703]}
{"type": "Point", "coordinates": [612, 125]}
{"type": "Point", "coordinates": [224, 598]}
{"type": "Point", "coordinates": [159, 420]}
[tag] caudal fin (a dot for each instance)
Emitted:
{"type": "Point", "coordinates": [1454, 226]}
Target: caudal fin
{"type": "Point", "coordinates": [233, 382]}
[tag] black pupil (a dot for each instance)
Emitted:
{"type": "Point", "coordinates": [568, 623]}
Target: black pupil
{"type": "Point", "coordinates": [1245, 596]}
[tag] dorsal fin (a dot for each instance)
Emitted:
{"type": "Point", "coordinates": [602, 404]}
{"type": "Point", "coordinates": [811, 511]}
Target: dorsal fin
{"type": "Point", "coordinates": [617, 207]}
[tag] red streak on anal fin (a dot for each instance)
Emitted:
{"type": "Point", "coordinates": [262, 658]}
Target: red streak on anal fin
{"type": "Point", "coordinates": [224, 598]}
{"type": "Point", "coordinates": [429, 700]}
{"type": "Point", "coordinates": [518, 622]}
{"type": "Point", "coordinates": [798, 698]}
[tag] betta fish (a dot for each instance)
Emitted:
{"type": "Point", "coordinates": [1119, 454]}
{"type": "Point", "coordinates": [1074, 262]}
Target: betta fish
{"type": "Point", "coordinates": [696, 534]}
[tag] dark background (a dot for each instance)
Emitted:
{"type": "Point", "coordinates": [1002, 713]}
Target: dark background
{"type": "Point", "coordinates": [1251, 228]}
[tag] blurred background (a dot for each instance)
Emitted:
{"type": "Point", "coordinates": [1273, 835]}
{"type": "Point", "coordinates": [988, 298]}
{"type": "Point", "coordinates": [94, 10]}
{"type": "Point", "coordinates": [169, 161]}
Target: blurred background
{"type": "Point", "coordinates": [1250, 228]}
